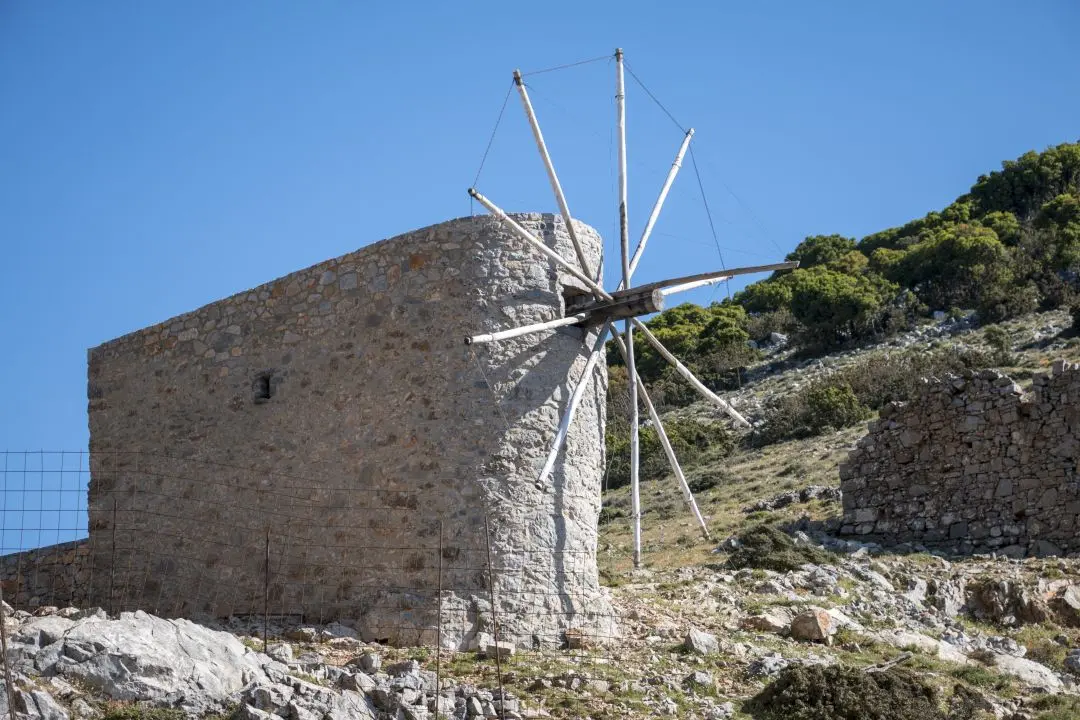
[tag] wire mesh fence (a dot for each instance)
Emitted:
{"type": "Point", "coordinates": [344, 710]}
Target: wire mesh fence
{"type": "Point", "coordinates": [203, 540]}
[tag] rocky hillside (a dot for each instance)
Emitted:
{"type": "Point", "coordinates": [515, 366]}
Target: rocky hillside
{"type": "Point", "coordinates": [774, 616]}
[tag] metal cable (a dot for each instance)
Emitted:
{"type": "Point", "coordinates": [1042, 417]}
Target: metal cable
{"type": "Point", "coordinates": [489, 143]}
{"type": "Point", "coordinates": [568, 65]}
{"type": "Point", "coordinates": [654, 99]}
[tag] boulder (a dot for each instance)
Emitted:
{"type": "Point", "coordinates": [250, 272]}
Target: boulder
{"type": "Point", "coordinates": [813, 625]}
{"type": "Point", "coordinates": [699, 642]}
{"type": "Point", "coordinates": [773, 620]}
{"type": "Point", "coordinates": [1007, 603]}
{"type": "Point", "coordinates": [1029, 672]}
{"type": "Point", "coordinates": [1066, 606]}
{"type": "Point", "coordinates": [138, 657]}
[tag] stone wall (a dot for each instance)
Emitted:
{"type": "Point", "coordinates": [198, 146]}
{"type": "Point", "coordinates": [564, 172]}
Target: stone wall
{"type": "Point", "coordinates": [53, 575]}
{"type": "Point", "coordinates": [336, 416]}
{"type": "Point", "coordinates": [973, 463]}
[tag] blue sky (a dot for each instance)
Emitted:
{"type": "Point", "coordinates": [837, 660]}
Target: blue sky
{"type": "Point", "coordinates": [158, 156]}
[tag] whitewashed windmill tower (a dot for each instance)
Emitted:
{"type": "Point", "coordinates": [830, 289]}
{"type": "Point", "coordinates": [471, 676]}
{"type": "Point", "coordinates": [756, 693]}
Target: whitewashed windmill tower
{"type": "Point", "coordinates": [624, 303]}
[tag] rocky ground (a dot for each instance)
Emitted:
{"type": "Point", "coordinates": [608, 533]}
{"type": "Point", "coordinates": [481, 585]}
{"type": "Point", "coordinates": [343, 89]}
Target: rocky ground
{"type": "Point", "coordinates": [709, 625]}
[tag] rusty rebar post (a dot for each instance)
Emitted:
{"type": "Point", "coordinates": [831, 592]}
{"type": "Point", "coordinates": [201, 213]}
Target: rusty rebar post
{"type": "Point", "coordinates": [112, 563]}
{"type": "Point", "coordinates": [438, 628]}
{"type": "Point", "coordinates": [10, 689]}
{"type": "Point", "coordinates": [266, 591]}
{"type": "Point", "coordinates": [494, 620]}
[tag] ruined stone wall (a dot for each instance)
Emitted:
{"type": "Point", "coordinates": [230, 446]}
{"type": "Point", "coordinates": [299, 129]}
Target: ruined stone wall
{"type": "Point", "coordinates": [52, 575]}
{"type": "Point", "coordinates": [326, 425]}
{"type": "Point", "coordinates": [974, 464]}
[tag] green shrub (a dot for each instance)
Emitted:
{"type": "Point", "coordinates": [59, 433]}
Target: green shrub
{"type": "Point", "coordinates": [1056, 707]}
{"type": "Point", "coordinates": [820, 406]}
{"type": "Point", "coordinates": [769, 548]}
{"type": "Point", "coordinates": [117, 711]}
{"type": "Point", "coordinates": [1000, 344]}
{"type": "Point", "coordinates": [706, 480]}
{"type": "Point", "coordinates": [874, 381]}
{"type": "Point", "coordinates": [690, 439]}
{"type": "Point", "coordinates": [844, 693]}
{"type": "Point", "coordinates": [1074, 313]}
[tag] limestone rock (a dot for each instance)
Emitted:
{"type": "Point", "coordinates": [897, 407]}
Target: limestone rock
{"type": "Point", "coordinates": [1066, 606]}
{"type": "Point", "coordinates": [774, 620]}
{"type": "Point", "coordinates": [1029, 672]}
{"type": "Point", "coordinates": [1007, 603]}
{"type": "Point", "coordinates": [699, 642]}
{"type": "Point", "coordinates": [138, 657]}
{"type": "Point", "coordinates": [813, 625]}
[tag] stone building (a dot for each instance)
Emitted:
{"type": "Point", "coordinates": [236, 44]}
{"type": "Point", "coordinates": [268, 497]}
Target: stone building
{"type": "Point", "coordinates": [325, 446]}
{"type": "Point", "coordinates": [973, 463]}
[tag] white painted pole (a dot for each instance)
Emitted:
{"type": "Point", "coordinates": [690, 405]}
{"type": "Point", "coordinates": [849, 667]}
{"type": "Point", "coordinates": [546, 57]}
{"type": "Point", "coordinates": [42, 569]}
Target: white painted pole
{"type": "Point", "coordinates": [660, 201]}
{"type": "Point", "coordinates": [624, 246]}
{"type": "Point", "coordinates": [537, 243]}
{"type": "Point", "coordinates": [560, 198]}
{"type": "Point", "coordinates": [692, 285]}
{"type": "Point", "coordinates": [666, 443]}
{"type": "Point", "coordinates": [685, 372]}
{"type": "Point", "coordinates": [575, 400]}
{"type": "Point", "coordinates": [526, 329]}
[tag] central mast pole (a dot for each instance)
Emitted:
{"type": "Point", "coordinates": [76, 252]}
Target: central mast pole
{"type": "Point", "coordinates": [624, 246]}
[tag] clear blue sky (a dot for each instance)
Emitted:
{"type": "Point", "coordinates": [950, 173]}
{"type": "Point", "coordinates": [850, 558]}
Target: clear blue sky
{"type": "Point", "coordinates": [158, 156]}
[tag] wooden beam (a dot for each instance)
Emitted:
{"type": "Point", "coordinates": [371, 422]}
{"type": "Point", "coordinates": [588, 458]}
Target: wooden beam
{"type": "Point", "coordinates": [730, 272]}
{"type": "Point", "coordinates": [628, 305]}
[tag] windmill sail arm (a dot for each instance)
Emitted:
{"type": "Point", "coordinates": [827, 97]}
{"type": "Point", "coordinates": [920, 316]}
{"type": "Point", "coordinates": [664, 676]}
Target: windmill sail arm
{"type": "Point", "coordinates": [689, 376]}
{"type": "Point", "coordinates": [700, 277]}
{"type": "Point", "coordinates": [673, 461]}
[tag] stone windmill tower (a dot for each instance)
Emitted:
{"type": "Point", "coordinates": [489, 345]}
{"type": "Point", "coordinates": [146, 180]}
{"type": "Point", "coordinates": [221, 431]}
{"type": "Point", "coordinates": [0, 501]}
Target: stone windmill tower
{"type": "Point", "coordinates": [325, 446]}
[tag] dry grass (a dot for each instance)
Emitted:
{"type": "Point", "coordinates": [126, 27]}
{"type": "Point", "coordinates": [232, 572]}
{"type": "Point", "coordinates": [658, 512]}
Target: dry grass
{"type": "Point", "coordinates": [671, 537]}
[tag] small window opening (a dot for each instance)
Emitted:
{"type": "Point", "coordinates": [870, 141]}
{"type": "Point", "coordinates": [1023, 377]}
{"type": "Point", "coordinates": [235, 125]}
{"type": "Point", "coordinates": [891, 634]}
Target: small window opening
{"type": "Point", "coordinates": [263, 388]}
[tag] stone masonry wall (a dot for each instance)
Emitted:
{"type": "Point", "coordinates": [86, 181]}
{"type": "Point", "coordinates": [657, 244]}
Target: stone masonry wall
{"type": "Point", "coordinates": [53, 575]}
{"type": "Point", "coordinates": [974, 464]}
{"type": "Point", "coordinates": [336, 416]}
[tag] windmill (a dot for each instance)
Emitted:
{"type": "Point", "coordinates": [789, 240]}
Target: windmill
{"type": "Point", "coordinates": [625, 303]}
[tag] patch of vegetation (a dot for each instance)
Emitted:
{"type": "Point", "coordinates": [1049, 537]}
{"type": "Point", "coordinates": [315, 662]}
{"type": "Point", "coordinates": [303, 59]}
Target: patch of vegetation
{"type": "Point", "coordinates": [1056, 707]}
{"type": "Point", "coordinates": [982, 677]}
{"type": "Point", "coordinates": [820, 407]}
{"type": "Point", "coordinates": [838, 692]}
{"type": "Point", "coordinates": [1008, 246]}
{"type": "Point", "coordinates": [119, 711]}
{"type": "Point", "coordinates": [1000, 344]}
{"type": "Point", "coordinates": [847, 396]}
{"type": "Point", "coordinates": [769, 548]}
{"type": "Point", "coordinates": [690, 439]}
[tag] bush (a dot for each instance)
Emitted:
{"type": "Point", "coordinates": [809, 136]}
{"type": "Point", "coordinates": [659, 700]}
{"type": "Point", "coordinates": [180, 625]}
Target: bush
{"type": "Point", "coordinates": [820, 406]}
{"type": "Point", "coordinates": [1056, 707]}
{"type": "Point", "coordinates": [769, 548]}
{"type": "Point", "coordinates": [690, 439]}
{"type": "Point", "coordinates": [874, 381]}
{"type": "Point", "coordinates": [844, 693]}
{"type": "Point", "coordinates": [1074, 313]}
{"type": "Point", "coordinates": [119, 711]}
{"type": "Point", "coordinates": [1000, 344]}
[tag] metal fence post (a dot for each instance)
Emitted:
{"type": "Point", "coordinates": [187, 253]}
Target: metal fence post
{"type": "Point", "coordinates": [4, 657]}
{"type": "Point", "coordinates": [495, 620]}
